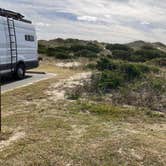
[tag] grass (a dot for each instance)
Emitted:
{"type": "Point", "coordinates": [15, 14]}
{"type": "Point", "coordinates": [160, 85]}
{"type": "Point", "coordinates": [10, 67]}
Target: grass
{"type": "Point", "coordinates": [117, 113]}
{"type": "Point", "coordinates": [77, 132]}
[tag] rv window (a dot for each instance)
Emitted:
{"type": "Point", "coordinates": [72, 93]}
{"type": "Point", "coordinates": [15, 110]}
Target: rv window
{"type": "Point", "coordinates": [26, 37]}
{"type": "Point", "coordinates": [32, 38]}
{"type": "Point", "coordinates": [29, 38]}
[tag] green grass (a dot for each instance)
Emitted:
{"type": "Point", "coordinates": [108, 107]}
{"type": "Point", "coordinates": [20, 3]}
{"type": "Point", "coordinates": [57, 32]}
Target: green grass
{"type": "Point", "coordinates": [116, 112]}
{"type": "Point", "coordinates": [78, 132]}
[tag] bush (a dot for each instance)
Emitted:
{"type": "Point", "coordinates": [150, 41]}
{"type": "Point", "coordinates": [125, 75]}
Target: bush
{"type": "Point", "coordinates": [85, 53]}
{"type": "Point", "coordinates": [143, 55]}
{"type": "Point", "coordinates": [158, 85]}
{"type": "Point", "coordinates": [51, 51]}
{"type": "Point", "coordinates": [74, 51]}
{"type": "Point", "coordinates": [90, 47]}
{"type": "Point", "coordinates": [116, 73]}
{"type": "Point", "coordinates": [112, 47]}
{"type": "Point", "coordinates": [59, 53]}
{"type": "Point", "coordinates": [62, 55]}
{"type": "Point", "coordinates": [121, 54]}
{"type": "Point", "coordinates": [42, 49]}
{"type": "Point", "coordinates": [110, 80]}
{"type": "Point", "coordinates": [106, 64]}
{"type": "Point", "coordinates": [91, 66]}
{"type": "Point", "coordinates": [131, 71]}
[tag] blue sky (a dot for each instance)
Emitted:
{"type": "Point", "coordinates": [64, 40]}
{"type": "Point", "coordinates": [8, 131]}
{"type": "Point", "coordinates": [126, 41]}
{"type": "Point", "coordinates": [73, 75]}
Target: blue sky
{"type": "Point", "coordinates": [104, 20]}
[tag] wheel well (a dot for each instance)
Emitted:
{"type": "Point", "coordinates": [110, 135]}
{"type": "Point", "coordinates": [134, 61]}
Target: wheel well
{"type": "Point", "coordinates": [20, 63]}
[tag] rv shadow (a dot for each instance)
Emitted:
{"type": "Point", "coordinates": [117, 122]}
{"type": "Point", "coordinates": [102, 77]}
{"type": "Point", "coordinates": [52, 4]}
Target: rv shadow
{"type": "Point", "coordinates": [9, 79]}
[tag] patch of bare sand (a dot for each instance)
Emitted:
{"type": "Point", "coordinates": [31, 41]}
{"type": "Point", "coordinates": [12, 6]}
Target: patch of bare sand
{"type": "Point", "coordinates": [15, 137]}
{"type": "Point", "coordinates": [57, 91]}
{"type": "Point", "coordinates": [68, 64]}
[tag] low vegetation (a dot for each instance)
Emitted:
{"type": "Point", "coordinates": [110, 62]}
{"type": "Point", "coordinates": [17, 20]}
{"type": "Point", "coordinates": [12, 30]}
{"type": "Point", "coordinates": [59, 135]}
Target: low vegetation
{"type": "Point", "coordinates": [116, 73]}
{"type": "Point", "coordinates": [143, 54]}
{"type": "Point", "coordinates": [88, 50]}
{"type": "Point", "coordinates": [110, 110]}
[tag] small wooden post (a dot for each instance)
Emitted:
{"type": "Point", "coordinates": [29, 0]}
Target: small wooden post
{"type": "Point", "coordinates": [0, 107]}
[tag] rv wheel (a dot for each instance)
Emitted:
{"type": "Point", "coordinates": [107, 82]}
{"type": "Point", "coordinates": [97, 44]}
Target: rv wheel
{"type": "Point", "coordinates": [20, 71]}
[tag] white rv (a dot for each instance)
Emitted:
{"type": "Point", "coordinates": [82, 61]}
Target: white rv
{"type": "Point", "coordinates": [18, 44]}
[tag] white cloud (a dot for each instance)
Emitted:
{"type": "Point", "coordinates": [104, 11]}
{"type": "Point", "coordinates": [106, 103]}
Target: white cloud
{"type": "Point", "coordinates": [145, 23]}
{"type": "Point", "coordinates": [87, 18]}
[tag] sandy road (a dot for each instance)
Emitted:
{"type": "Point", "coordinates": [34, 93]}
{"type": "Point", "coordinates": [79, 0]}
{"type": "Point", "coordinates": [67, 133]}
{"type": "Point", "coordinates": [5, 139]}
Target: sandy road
{"type": "Point", "coordinates": [9, 84]}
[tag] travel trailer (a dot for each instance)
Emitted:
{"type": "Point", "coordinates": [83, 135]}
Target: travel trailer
{"type": "Point", "coordinates": [18, 44]}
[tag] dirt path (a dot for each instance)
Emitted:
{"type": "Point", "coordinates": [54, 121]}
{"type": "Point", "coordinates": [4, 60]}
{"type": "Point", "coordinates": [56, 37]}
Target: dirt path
{"type": "Point", "coordinates": [57, 91]}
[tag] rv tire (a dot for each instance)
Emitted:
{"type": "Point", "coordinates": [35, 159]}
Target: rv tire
{"type": "Point", "coordinates": [20, 71]}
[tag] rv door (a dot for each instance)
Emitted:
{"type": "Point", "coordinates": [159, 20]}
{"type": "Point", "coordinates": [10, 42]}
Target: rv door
{"type": "Point", "coordinates": [4, 57]}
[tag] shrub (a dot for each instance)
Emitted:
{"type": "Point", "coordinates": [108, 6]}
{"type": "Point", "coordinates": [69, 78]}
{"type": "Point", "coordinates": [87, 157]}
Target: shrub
{"type": "Point", "coordinates": [74, 51]}
{"type": "Point", "coordinates": [107, 80]}
{"type": "Point", "coordinates": [90, 66]}
{"type": "Point", "coordinates": [106, 64]}
{"type": "Point", "coordinates": [131, 71]}
{"type": "Point", "coordinates": [42, 49]}
{"type": "Point", "coordinates": [158, 85]}
{"type": "Point", "coordinates": [85, 53]}
{"type": "Point", "coordinates": [59, 53]}
{"type": "Point", "coordinates": [90, 47]}
{"type": "Point", "coordinates": [62, 55]}
{"type": "Point", "coordinates": [112, 47]}
{"type": "Point", "coordinates": [143, 55]}
{"type": "Point", "coordinates": [51, 51]}
{"type": "Point", "coordinates": [121, 54]}
{"type": "Point", "coordinates": [116, 73]}
{"type": "Point", "coordinates": [110, 80]}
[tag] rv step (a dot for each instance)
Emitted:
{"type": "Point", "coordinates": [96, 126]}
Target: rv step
{"type": "Point", "coordinates": [11, 27]}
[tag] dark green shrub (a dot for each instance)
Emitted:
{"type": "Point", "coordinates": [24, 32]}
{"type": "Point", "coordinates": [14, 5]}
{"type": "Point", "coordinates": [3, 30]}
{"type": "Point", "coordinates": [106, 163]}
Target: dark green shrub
{"type": "Point", "coordinates": [143, 68]}
{"type": "Point", "coordinates": [86, 53]}
{"type": "Point", "coordinates": [143, 55]}
{"type": "Point", "coordinates": [131, 71]}
{"type": "Point", "coordinates": [117, 73]}
{"type": "Point", "coordinates": [121, 54]}
{"type": "Point", "coordinates": [51, 52]}
{"type": "Point", "coordinates": [107, 64]}
{"type": "Point", "coordinates": [107, 80]}
{"type": "Point", "coordinates": [91, 66]}
{"type": "Point", "coordinates": [112, 47]}
{"type": "Point", "coordinates": [62, 55]}
{"type": "Point", "coordinates": [90, 47]}
{"type": "Point", "coordinates": [59, 53]}
{"type": "Point", "coordinates": [42, 49]}
{"type": "Point", "coordinates": [159, 85]}
{"type": "Point", "coordinates": [94, 48]}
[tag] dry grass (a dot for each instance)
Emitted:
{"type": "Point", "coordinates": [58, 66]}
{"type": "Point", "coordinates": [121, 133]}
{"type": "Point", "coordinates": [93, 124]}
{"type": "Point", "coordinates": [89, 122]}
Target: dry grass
{"type": "Point", "coordinates": [77, 133]}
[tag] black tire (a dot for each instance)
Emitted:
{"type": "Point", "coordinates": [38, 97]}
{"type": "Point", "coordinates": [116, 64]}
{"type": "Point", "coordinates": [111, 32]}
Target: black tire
{"type": "Point", "coordinates": [20, 71]}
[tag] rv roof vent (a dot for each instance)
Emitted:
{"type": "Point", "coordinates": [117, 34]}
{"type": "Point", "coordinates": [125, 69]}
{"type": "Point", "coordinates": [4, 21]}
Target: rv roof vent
{"type": "Point", "coordinates": [14, 15]}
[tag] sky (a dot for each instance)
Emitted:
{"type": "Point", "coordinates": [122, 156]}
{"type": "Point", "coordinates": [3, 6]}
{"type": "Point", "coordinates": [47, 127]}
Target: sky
{"type": "Point", "coordinates": [114, 21]}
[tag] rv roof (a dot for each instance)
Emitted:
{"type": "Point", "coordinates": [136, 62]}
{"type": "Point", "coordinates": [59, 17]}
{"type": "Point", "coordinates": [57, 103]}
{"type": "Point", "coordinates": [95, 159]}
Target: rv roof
{"type": "Point", "coordinates": [12, 14]}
